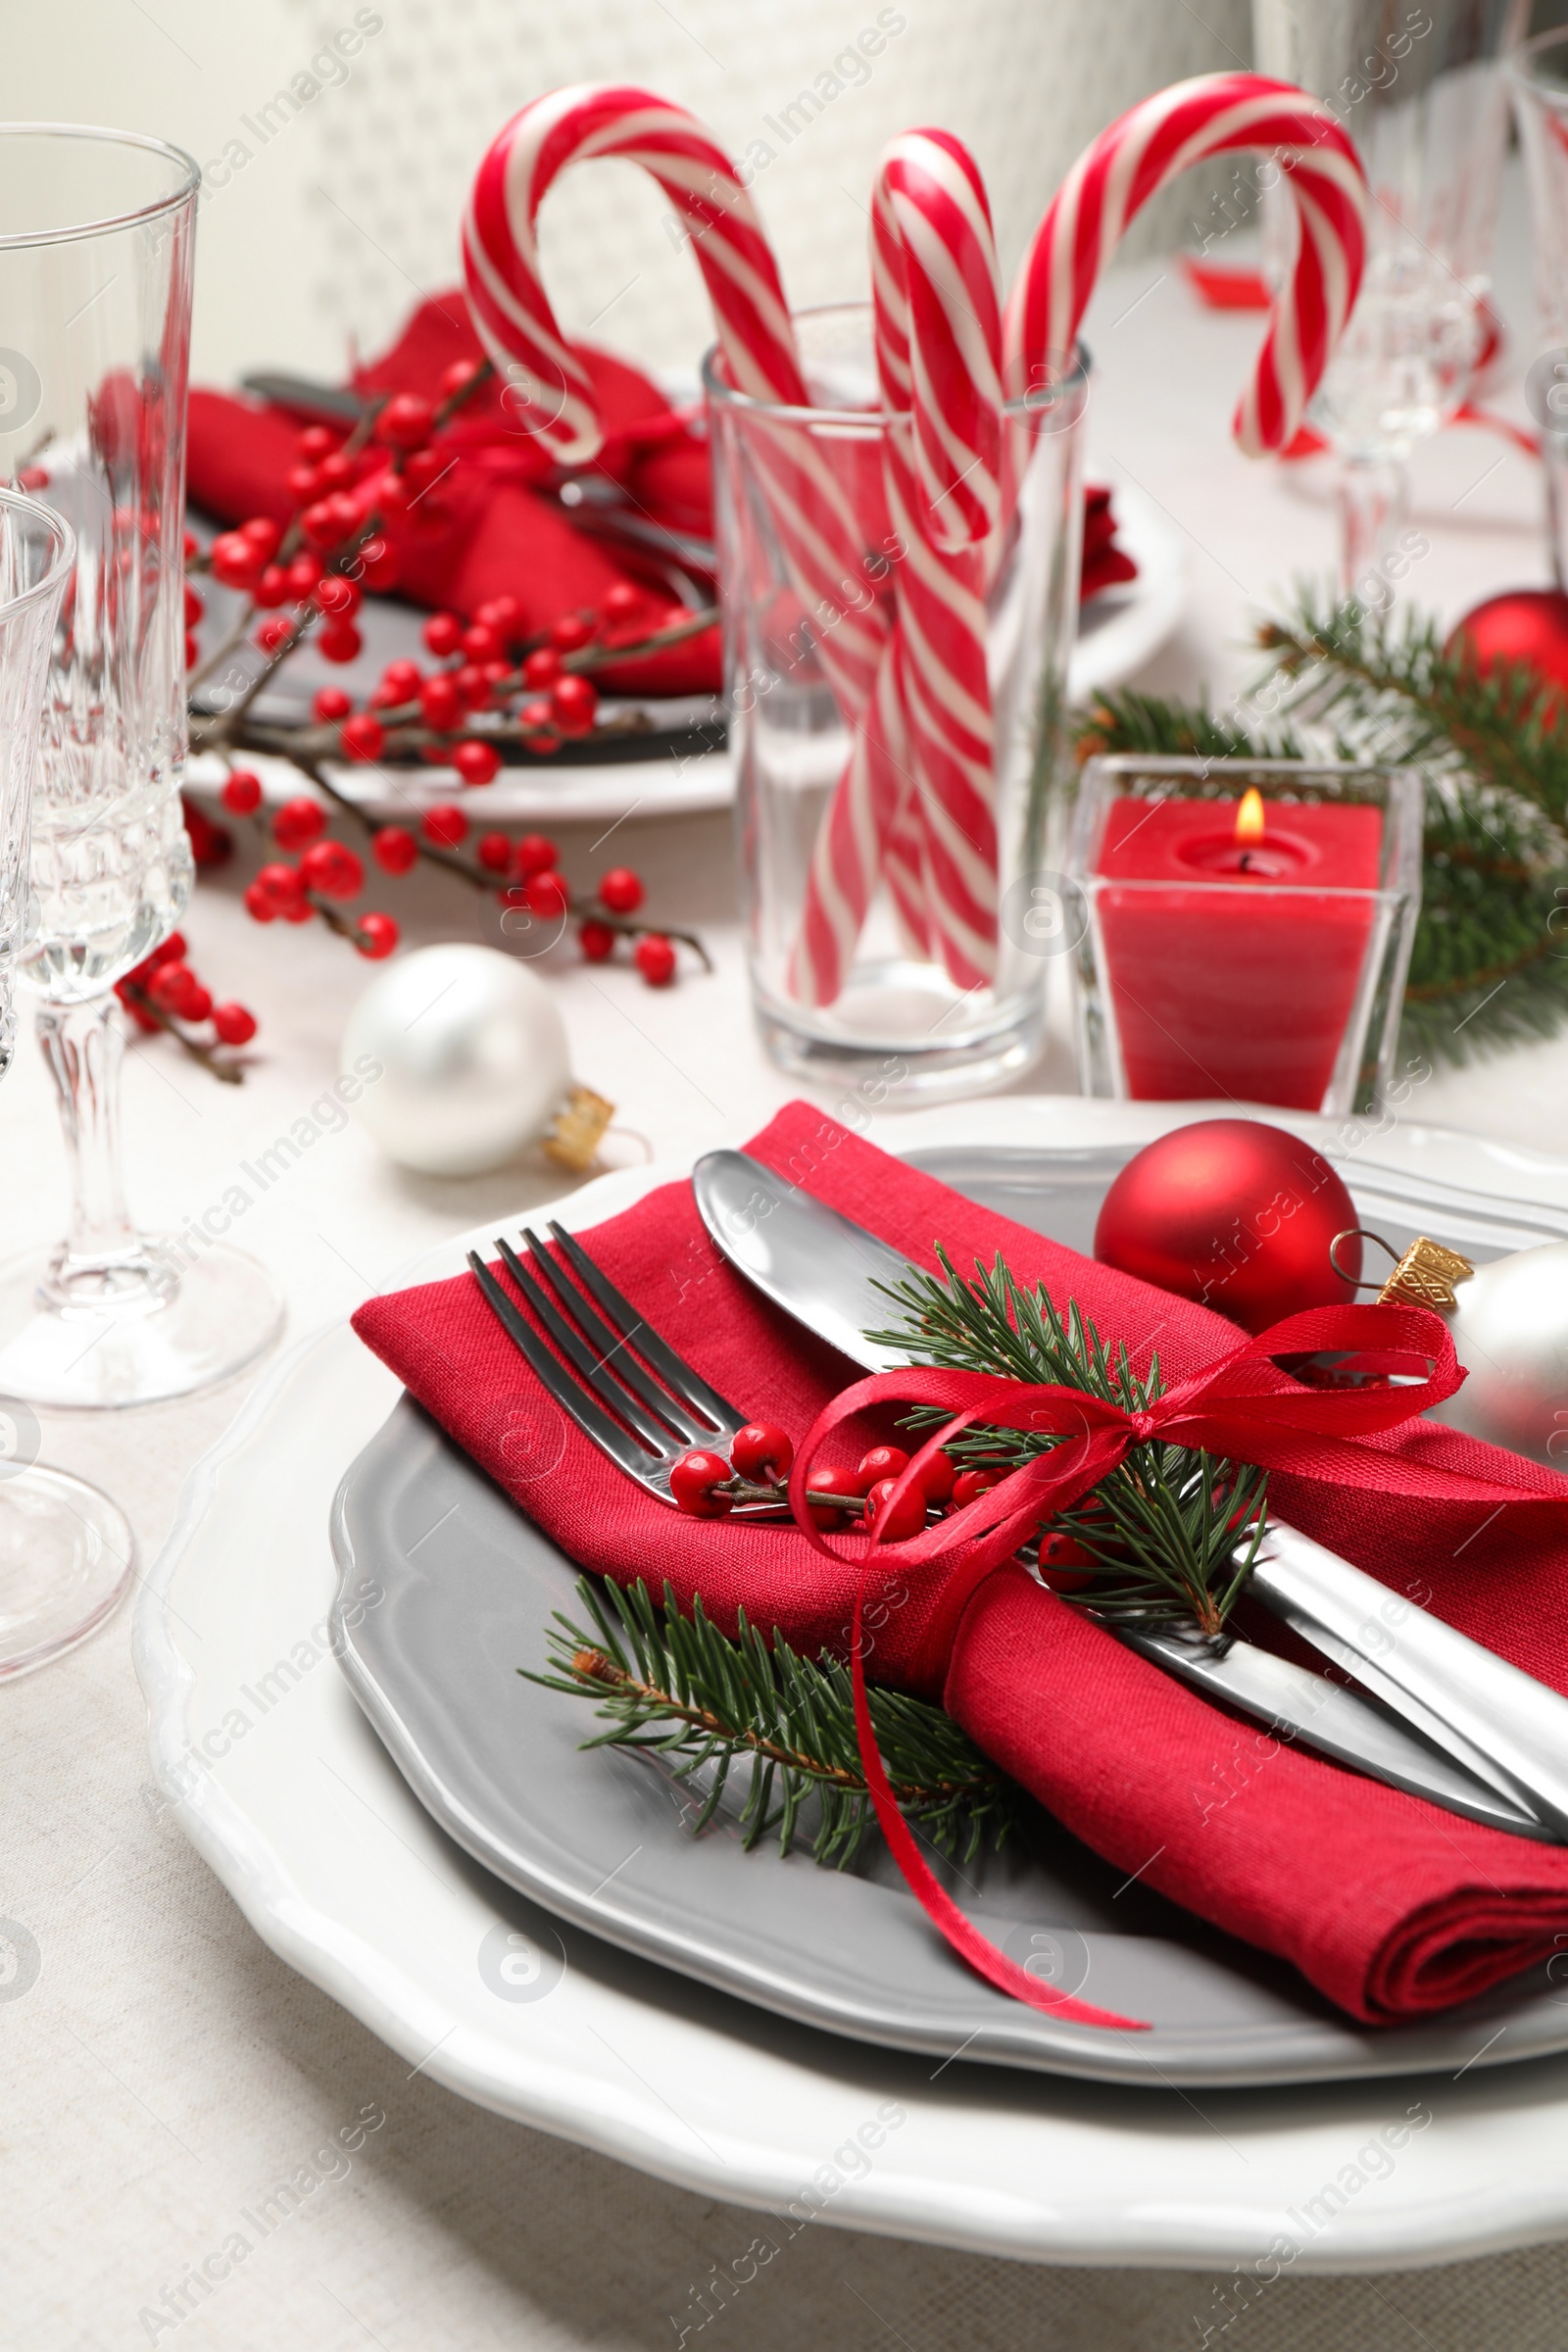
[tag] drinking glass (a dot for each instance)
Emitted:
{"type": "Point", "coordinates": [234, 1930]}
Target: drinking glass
{"type": "Point", "coordinates": [1419, 89]}
{"type": "Point", "coordinates": [65, 1552]}
{"type": "Point", "coordinates": [901, 1020]}
{"type": "Point", "coordinates": [1538, 75]}
{"type": "Point", "coordinates": [96, 231]}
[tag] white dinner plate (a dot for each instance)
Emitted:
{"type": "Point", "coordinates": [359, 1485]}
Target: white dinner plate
{"type": "Point", "coordinates": [286, 1789]}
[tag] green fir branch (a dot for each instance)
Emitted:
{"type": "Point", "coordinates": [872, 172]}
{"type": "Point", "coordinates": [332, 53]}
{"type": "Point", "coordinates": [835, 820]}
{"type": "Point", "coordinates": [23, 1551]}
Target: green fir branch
{"type": "Point", "coordinates": [1489, 965]}
{"type": "Point", "coordinates": [1170, 1535]}
{"type": "Point", "coordinates": [677, 1688]}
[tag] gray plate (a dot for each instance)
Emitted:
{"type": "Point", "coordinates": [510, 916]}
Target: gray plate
{"type": "Point", "coordinates": [600, 1839]}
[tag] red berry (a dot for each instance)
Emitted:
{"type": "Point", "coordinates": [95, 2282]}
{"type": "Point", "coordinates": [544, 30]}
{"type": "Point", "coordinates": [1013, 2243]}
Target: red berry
{"type": "Point", "coordinates": [620, 890]}
{"type": "Point", "coordinates": [258, 904]}
{"type": "Point", "coordinates": [829, 1482]}
{"type": "Point", "coordinates": [542, 668]}
{"type": "Point", "coordinates": [572, 704]}
{"type": "Point", "coordinates": [971, 1485]}
{"type": "Point", "coordinates": [303, 483]}
{"type": "Point", "coordinates": [337, 597]}
{"type": "Point", "coordinates": [340, 641]}
{"type": "Point", "coordinates": [303, 576]}
{"type": "Point", "coordinates": [297, 822]}
{"type": "Point", "coordinates": [1063, 1564]}
{"type": "Point", "coordinates": [315, 442]}
{"type": "Point", "coordinates": [762, 1451]}
{"type": "Point", "coordinates": [400, 682]}
{"type": "Point", "coordinates": [621, 603]}
{"type": "Point", "coordinates": [471, 686]}
{"type": "Point", "coordinates": [496, 674]}
{"type": "Point", "coordinates": [546, 894]}
{"type": "Point", "coordinates": [137, 1011]}
{"type": "Point", "coordinates": [693, 1482]}
{"type": "Point", "coordinates": [331, 705]}
{"type": "Point", "coordinates": [193, 652]}
{"type": "Point", "coordinates": [329, 521]}
{"type": "Point", "coordinates": [194, 608]}
{"type": "Point", "coordinates": [597, 941]}
{"type": "Point", "coordinates": [904, 1518]}
{"type": "Point", "coordinates": [534, 854]}
{"type": "Point", "coordinates": [235, 1026]}
{"type": "Point", "coordinates": [271, 589]}
{"type": "Point", "coordinates": [394, 848]}
{"type": "Point", "coordinates": [424, 468]}
{"type": "Point", "coordinates": [494, 852]}
{"type": "Point", "coordinates": [883, 1461]}
{"type": "Point", "coordinates": [655, 958]}
{"type": "Point", "coordinates": [237, 561]}
{"type": "Point", "coordinates": [536, 716]}
{"type": "Point", "coordinates": [174, 988]}
{"type": "Point", "coordinates": [440, 704]}
{"type": "Point", "coordinates": [389, 495]}
{"type": "Point", "coordinates": [571, 633]}
{"type": "Point", "coordinates": [458, 377]}
{"type": "Point", "coordinates": [262, 532]}
{"type": "Point", "coordinates": [336, 471]}
{"type": "Point", "coordinates": [378, 936]}
{"type": "Point", "coordinates": [476, 762]}
{"type": "Point", "coordinates": [168, 951]}
{"type": "Point", "coordinates": [938, 1479]}
{"type": "Point", "coordinates": [443, 634]}
{"type": "Point", "coordinates": [504, 615]}
{"type": "Point", "coordinates": [405, 421]}
{"type": "Point", "coordinates": [378, 568]}
{"type": "Point", "coordinates": [242, 792]}
{"type": "Point", "coordinates": [332, 868]}
{"type": "Point", "coordinates": [363, 736]}
{"type": "Point", "coordinates": [480, 642]}
{"type": "Point", "coordinates": [445, 824]}
{"type": "Point", "coordinates": [275, 631]}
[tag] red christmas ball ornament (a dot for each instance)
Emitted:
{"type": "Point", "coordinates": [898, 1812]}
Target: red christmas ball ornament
{"type": "Point", "coordinates": [1527, 627]}
{"type": "Point", "coordinates": [1236, 1214]}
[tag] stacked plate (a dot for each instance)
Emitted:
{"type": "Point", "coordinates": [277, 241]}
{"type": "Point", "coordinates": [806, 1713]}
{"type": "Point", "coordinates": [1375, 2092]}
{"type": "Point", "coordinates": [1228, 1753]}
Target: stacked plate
{"type": "Point", "coordinates": [417, 1828]}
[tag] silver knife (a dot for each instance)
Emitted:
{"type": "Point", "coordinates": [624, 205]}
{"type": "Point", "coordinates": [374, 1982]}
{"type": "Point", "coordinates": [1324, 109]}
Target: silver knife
{"type": "Point", "coordinates": [1442, 1716]}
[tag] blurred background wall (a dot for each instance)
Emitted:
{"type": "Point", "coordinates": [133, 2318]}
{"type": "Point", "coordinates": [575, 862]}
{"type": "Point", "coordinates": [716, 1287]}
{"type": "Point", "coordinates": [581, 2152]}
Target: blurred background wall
{"type": "Point", "coordinates": [333, 196]}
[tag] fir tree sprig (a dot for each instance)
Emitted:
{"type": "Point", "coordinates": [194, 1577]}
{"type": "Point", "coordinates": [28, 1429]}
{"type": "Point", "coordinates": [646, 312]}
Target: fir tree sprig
{"type": "Point", "coordinates": [1170, 1535]}
{"type": "Point", "coordinates": [1490, 961]}
{"type": "Point", "coordinates": [678, 1689]}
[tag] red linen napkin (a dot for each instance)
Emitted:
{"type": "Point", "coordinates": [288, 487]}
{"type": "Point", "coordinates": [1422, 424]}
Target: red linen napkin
{"type": "Point", "coordinates": [1391, 1906]}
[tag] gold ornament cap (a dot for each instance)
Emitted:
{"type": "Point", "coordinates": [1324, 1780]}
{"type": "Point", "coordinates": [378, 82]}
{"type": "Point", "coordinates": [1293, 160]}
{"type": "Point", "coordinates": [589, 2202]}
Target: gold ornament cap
{"type": "Point", "coordinates": [573, 1135]}
{"type": "Point", "coordinates": [1425, 1276]}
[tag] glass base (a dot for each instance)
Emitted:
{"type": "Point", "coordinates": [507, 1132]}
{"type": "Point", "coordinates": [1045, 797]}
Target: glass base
{"type": "Point", "coordinates": [900, 1034]}
{"type": "Point", "coordinates": [67, 1554]}
{"type": "Point", "coordinates": [91, 1347]}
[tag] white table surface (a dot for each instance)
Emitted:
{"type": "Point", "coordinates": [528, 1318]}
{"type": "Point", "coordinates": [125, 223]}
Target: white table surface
{"type": "Point", "coordinates": [164, 2069]}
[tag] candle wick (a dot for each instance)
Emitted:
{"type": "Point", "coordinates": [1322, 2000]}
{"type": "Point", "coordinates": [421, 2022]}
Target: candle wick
{"type": "Point", "coordinates": [1246, 861]}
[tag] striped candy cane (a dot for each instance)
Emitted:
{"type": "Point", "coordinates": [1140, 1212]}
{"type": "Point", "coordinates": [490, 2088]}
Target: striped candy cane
{"type": "Point", "coordinates": [931, 832]}
{"type": "Point", "coordinates": [1141, 154]}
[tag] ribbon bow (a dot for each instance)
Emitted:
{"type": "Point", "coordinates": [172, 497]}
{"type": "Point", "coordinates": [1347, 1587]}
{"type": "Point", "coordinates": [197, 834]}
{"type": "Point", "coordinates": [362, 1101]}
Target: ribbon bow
{"type": "Point", "coordinates": [1242, 1405]}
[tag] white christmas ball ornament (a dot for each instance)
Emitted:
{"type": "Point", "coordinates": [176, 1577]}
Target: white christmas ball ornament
{"type": "Point", "coordinates": [473, 1056]}
{"type": "Point", "coordinates": [1510, 1332]}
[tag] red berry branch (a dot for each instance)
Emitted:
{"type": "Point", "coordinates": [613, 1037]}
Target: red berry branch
{"type": "Point", "coordinates": [494, 688]}
{"type": "Point", "coordinates": [163, 992]}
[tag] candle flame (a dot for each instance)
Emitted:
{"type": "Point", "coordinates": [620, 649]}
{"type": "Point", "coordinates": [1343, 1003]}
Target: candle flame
{"type": "Point", "coordinates": [1249, 819]}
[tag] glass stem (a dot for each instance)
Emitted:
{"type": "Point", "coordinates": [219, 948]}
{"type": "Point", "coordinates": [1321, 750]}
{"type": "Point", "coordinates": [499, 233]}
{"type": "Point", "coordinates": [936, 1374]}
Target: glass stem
{"type": "Point", "coordinates": [84, 1046]}
{"type": "Point", "coordinates": [1374, 498]}
{"type": "Point", "coordinates": [1554, 452]}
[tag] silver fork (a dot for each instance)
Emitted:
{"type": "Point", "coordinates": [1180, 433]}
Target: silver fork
{"type": "Point", "coordinates": [650, 1423]}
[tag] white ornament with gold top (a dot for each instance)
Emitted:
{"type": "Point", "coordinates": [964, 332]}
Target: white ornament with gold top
{"type": "Point", "coordinates": [1509, 1321]}
{"type": "Point", "coordinates": [473, 1065]}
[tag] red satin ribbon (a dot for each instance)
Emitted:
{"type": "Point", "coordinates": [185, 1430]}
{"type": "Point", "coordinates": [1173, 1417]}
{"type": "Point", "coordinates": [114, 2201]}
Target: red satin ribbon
{"type": "Point", "coordinates": [1243, 1406]}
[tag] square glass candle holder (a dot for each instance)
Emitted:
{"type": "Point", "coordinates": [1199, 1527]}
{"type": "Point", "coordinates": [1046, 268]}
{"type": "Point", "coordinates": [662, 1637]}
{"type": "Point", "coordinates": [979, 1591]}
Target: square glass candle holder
{"type": "Point", "coordinates": [1240, 930]}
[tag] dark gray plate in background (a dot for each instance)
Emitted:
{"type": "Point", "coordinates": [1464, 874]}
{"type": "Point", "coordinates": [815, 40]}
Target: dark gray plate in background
{"type": "Point", "coordinates": [600, 1837]}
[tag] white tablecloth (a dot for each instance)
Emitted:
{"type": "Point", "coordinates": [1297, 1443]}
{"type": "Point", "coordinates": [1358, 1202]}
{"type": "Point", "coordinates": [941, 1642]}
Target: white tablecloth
{"type": "Point", "coordinates": [164, 2069]}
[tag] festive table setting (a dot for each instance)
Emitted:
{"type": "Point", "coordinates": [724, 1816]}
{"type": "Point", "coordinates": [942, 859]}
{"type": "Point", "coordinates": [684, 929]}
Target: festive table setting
{"type": "Point", "coordinates": [833, 1472]}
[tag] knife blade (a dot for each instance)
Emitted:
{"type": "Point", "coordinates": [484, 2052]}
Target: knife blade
{"type": "Point", "coordinates": [824, 1270]}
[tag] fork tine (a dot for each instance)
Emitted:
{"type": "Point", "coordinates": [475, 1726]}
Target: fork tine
{"type": "Point", "coordinates": [608, 1385]}
{"type": "Point", "coordinates": [670, 1409]}
{"type": "Point", "coordinates": [673, 1370]}
{"type": "Point", "coordinates": [605, 1434]}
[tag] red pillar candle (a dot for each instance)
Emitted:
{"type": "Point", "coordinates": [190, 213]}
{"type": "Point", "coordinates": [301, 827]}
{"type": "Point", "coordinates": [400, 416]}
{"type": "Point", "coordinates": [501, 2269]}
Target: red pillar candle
{"type": "Point", "coordinates": [1233, 940]}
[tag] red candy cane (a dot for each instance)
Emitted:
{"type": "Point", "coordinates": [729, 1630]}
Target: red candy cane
{"type": "Point", "coordinates": [931, 831]}
{"type": "Point", "coordinates": [1141, 154]}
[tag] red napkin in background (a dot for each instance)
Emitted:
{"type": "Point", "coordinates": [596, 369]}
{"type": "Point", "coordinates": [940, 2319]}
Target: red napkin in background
{"type": "Point", "coordinates": [489, 530]}
{"type": "Point", "coordinates": [1391, 1906]}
